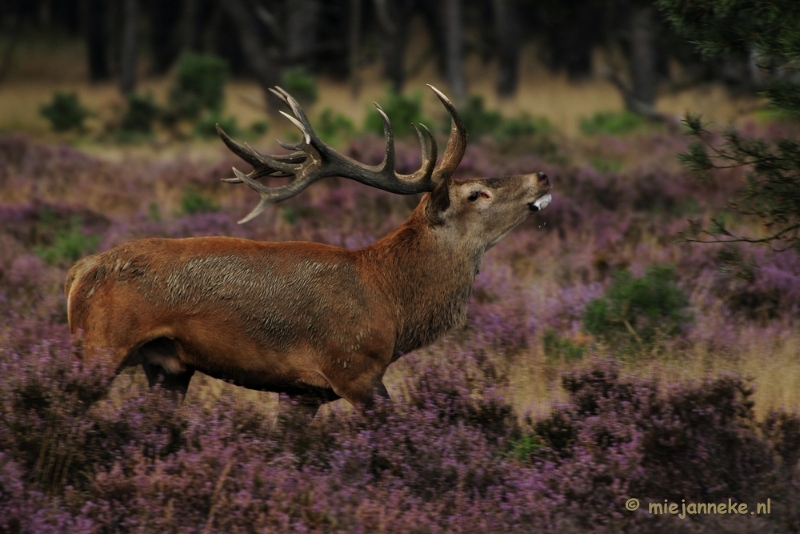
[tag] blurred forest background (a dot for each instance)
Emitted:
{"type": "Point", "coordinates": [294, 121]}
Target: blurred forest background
{"type": "Point", "coordinates": [550, 60]}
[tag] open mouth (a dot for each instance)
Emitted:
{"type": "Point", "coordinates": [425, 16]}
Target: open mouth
{"type": "Point", "coordinates": [540, 203]}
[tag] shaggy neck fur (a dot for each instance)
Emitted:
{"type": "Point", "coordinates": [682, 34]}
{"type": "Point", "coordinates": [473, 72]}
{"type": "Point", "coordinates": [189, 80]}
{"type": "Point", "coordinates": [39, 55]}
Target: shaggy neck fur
{"type": "Point", "coordinates": [427, 278]}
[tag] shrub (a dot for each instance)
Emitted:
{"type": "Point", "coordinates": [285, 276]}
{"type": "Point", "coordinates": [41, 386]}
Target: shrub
{"type": "Point", "coordinates": [477, 119]}
{"type": "Point", "coordinates": [557, 348]}
{"type": "Point", "coordinates": [207, 126]}
{"type": "Point", "coordinates": [142, 112]}
{"type": "Point", "coordinates": [199, 85]}
{"type": "Point", "coordinates": [523, 125]}
{"type": "Point", "coordinates": [638, 310]}
{"type": "Point", "coordinates": [65, 112]}
{"type": "Point", "coordinates": [259, 128]}
{"type": "Point", "coordinates": [612, 123]}
{"type": "Point", "coordinates": [69, 244]}
{"type": "Point", "coordinates": [302, 85]}
{"type": "Point", "coordinates": [333, 127]}
{"type": "Point", "coordinates": [402, 110]}
{"type": "Point", "coordinates": [193, 202]}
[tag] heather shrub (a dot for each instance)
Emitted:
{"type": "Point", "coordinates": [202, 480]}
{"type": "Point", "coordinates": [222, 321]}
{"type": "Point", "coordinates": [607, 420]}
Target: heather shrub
{"type": "Point", "coordinates": [403, 111]}
{"type": "Point", "coordinates": [639, 311]}
{"type": "Point", "coordinates": [301, 84]}
{"type": "Point", "coordinates": [65, 112]}
{"type": "Point", "coordinates": [199, 86]}
{"type": "Point", "coordinates": [619, 437]}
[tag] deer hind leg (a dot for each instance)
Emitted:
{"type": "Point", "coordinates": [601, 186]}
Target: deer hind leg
{"type": "Point", "coordinates": [161, 362]}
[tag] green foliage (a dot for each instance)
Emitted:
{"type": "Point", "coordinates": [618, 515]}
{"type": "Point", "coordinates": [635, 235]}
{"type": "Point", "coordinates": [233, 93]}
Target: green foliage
{"type": "Point", "coordinates": [65, 112]}
{"type": "Point", "coordinates": [193, 202]}
{"type": "Point", "coordinates": [772, 187]}
{"type": "Point", "coordinates": [477, 119]}
{"type": "Point", "coordinates": [69, 244]}
{"type": "Point", "coordinates": [526, 447]}
{"type": "Point", "coordinates": [259, 128]}
{"type": "Point", "coordinates": [207, 126]}
{"type": "Point", "coordinates": [479, 122]}
{"type": "Point", "coordinates": [141, 114]}
{"type": "Point", "coordinates": [334, 128]}
{"type": "Point", "coordinates": [739, 27]}
{"type": "Point", "coordinates": [612, 123]}
{"type": "Point", "coordinates": [561, 349]}
{"type": "Point", "coordinates": [638, 311]}
{"type": "Point", "coordinates": [402, 110]}
{"type": "Point", "coordinates": [199, 86]}
{"type": "Point", "coordinates": [772, 190]}
{"type": "Point", "coordinates": [301, 84]}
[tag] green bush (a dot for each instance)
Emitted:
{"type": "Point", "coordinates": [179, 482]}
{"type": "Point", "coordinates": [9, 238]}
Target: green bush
{"type": "Point", "coordinates": [482, 122]}
{"type": "Point", "coordinates": [561, 349]}
{"type": "Point", "coordinates": [207, 125]}
{"type": "Point", "coordinates": [199, 86]}
{"type": "Point", "coordinates": [333, 127]}
{"type": "Point", "coordinates": [193, 202]}
{"type": "Point", "coordinates": [141, 114]}
{"type": "Point", "coordinates": [69, 244]}
{"type": "Point", "coordinates": [65, 112]}
{"type": "Point", "coordinates": [612, 123]}
{"type": "Point", "coordinates": [302, 85]}
{"type": "Point", "coordinates": [638, 311]}
{"type": "Point", "coordinates": [477, 119]}
{"type": "Point", "coordinates": [259, 128]}
{"type": "Point", "coordinates": [402, 110]}
{"type": "Point", "coordinates": [523, 126]}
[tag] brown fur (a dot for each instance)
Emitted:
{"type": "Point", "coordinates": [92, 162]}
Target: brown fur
{"type": "Point", "coordinates": [311, 320]}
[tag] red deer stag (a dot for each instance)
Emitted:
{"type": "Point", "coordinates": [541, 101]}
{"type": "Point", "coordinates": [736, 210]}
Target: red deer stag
{"type": "Point", "coordinates": [312, 321]}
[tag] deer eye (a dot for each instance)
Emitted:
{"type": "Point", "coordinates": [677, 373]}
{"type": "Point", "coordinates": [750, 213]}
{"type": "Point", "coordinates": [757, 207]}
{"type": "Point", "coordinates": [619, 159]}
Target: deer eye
{"type": "Point", "coordinates": [473, 196]}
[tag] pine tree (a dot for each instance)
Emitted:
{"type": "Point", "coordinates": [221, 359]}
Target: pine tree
{"type": "Point", "coordinates": [769, 32]}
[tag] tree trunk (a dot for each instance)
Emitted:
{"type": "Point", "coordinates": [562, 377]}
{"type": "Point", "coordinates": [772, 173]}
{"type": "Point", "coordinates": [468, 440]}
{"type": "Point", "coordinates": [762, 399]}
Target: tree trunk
{"type": "Point", "coordinates": [642, 59]}
{"type": "Point", "coordinates": [394, 17]}
{"type": "Point", "coordinates": [302, 20]}
{"type": "Point", "coordinates": [507, 36]}
{"type": "Point", "coordinates": [97, 40]}
{"type": "Point", "coordinates": [454, 52]}
{"type": "Point", "coordinates": [165, 16]}
{"type": "Point", "coordinates": [130, 46]}
{"type": "Point", "coordinates": [353, 46]}
{"type": "Point", "coordinates": [261, 65]}
{"type": "Point", "coordinates": [190, 26]}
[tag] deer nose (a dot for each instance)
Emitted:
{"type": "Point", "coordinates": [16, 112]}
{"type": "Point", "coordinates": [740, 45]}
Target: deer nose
{"type": "Point", "coordinates": [543, 179]}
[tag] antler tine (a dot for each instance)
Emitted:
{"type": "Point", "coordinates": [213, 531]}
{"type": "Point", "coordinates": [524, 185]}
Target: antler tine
{"type": "Point", "coordinates": [429, 149]}
{"type": "Point", "coordinates": [271, 195]}
{"type": "Point", "coordinates": [388, 134]}
{"type": "Point", "coordinates": [262, 165]}
{"type": "Point", "coordinates": [456, 143]}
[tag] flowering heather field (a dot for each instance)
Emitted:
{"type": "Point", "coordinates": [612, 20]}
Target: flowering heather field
{"type": "Point", "coordinates": [523, 421]}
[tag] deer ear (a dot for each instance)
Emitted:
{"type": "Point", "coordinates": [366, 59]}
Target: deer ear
{"type": "Point", "coordinates": [438, 202]}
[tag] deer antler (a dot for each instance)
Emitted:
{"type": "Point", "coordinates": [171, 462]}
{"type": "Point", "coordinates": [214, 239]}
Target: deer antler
{"type": "Point", "coordinates": [312, 159]}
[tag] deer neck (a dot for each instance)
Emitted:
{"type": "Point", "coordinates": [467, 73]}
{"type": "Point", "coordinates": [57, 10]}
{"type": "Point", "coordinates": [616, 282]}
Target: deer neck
{"type": "Point", "coordinates": [426, 277]}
